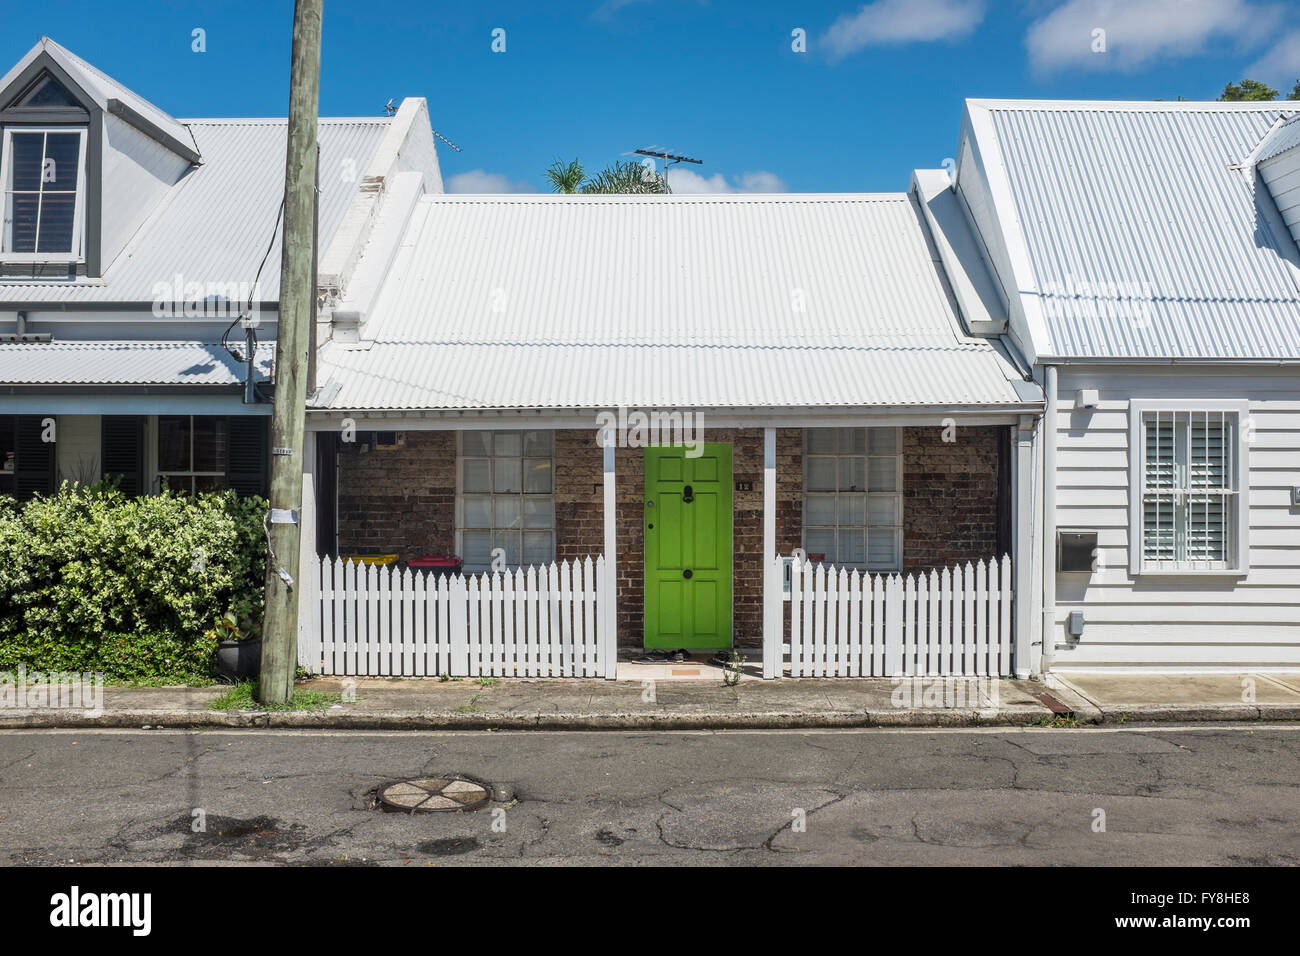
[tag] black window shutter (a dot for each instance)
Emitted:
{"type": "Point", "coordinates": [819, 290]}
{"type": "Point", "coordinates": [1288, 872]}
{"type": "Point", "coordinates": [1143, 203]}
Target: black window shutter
{"type": "Point", "coordinates": [34, 468]}
{"type": "Point", "coordinates": [248, 461]}
{"type": "Point", "coordinates": [121, 443]}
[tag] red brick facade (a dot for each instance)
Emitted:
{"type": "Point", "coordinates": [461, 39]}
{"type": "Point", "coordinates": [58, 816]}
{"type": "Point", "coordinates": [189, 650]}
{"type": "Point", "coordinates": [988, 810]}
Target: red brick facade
{"type": "Point", "coordinates": [403, 500]}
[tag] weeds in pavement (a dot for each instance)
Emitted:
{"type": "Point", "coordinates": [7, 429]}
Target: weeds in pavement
{"type": "Point", "coordinates": [1060, 721]}
{"type": "Point", "coordinates": [240, 697]}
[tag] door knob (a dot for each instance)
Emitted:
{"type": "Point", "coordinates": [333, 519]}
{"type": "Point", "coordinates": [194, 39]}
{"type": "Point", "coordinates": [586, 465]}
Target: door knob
{"type": "Point", "coordinates": [687, 573]}
{"type": "Point", "coordinates": [687, 495]}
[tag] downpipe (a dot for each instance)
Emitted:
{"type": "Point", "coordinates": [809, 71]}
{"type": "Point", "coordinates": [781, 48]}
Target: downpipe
{"type": "Point", "coordinates": [1049, 519]}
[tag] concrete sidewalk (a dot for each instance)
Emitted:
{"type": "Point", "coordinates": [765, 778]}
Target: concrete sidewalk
{"type": "Point", "coordinates": [580, 704]}
{"type": "Point", "coordinates": [1119, 698]}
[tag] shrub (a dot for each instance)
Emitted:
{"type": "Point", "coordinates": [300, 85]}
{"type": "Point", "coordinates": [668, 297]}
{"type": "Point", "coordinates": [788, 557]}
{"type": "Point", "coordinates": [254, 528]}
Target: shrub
{"type": "Point", "coordinates": [91, 580]}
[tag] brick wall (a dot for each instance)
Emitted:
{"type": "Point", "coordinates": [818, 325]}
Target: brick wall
{"type": "Point", "coordinates": [403, 500]}
{"type": "Point", "coordinates": [399, 500]}
{"type": "Point", "coordinates": [950, 495]}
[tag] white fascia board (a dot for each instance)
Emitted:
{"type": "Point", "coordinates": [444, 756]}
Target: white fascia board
{"type": "Point", "coordinates": [709, 418]}
{"type": "Point", "coordinates": [962, 254]}
{"type": "Point", "coordinates": [409, 126]}
{"type": "Point", "coordinates": [988, 154]}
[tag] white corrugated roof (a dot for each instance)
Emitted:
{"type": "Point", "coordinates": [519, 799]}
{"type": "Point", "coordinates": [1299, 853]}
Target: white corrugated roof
{"type": "Point", "coordinates": [1143, 239]}
{"type": "Point", "coordinates": [102, 88]}
{"type": "Point", "coordinates": [125, 363]}
{"type": "Point", "coordinates": [594, 301]}
{"type": "Point", "coordinates": [1283, 136]}
{"type": "Point", "coordinates": [215, 225]}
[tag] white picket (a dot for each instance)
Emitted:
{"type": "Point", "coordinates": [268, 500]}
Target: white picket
{"type": "Point", "coordinates": [334, 662]}
{"type": "Point", "coordinates": [855, 625]}
{"type": "Point", "coordinates": [914, 618]}
{"type": "Point", "coordinates": [606, 620]}
{"type": "Point", "coordinates": [556, 668]}
{"type": "Point", "coordinates": [588, 589]}
{"type": "Point", "coordinates": [1004, 600]}
{"type": "Point", "coordinates": [980, 597]}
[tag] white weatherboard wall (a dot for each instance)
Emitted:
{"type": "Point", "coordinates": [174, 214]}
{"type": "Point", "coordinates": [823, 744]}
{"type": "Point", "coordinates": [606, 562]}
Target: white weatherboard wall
{"type": "Point", "coordinates": [1178, 622]}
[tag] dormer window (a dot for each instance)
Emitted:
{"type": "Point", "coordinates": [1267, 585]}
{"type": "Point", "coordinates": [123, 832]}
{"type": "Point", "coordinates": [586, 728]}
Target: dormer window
{"type": "Point", "coordinates": [43, 172]}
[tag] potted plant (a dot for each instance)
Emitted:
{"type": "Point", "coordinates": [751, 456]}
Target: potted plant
{"type": "Point", "coordinates": [238, 655]}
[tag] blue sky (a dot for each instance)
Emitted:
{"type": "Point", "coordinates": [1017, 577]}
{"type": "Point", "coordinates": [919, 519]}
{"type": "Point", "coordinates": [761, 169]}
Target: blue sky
{"type": "Point", "coordinates": [877, 92]}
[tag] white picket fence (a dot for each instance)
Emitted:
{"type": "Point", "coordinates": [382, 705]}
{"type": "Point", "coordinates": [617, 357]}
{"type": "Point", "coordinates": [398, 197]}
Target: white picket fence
{"type": "Point", "coordinates": [955, 622]}
{"type": "Point", "coordinates": [553, 621]}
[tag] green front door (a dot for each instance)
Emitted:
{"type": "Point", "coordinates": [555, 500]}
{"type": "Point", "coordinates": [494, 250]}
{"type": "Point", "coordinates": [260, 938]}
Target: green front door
{"type": "Point", "coordinates": [688, 548]}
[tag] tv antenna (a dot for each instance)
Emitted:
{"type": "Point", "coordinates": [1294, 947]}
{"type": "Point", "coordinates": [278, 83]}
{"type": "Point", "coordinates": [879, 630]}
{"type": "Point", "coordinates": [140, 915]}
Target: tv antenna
{"type": "Point", "coordinates": [446, 140]}
{"type": "Point", "coordinates": [668, 158]}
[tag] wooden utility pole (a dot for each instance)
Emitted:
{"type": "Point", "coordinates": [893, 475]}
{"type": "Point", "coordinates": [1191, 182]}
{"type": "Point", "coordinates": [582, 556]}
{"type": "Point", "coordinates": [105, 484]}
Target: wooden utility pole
{"type": "Point", "coordinates": [280, 625]}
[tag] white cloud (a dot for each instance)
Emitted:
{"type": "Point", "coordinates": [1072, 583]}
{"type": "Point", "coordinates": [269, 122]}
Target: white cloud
{"type": "Point", "coordinates": [481, 181]}
{"type": "Point", "coordinates": [760, 181]}
{"type": "Point", "coordinates": [1280, 66]}
{"type": "Point", "coordinates": [903, 21]}
{"type": "Point", "coordinates": [1141, 31]}
{"type": "Point", "coordinates": [610, 7]}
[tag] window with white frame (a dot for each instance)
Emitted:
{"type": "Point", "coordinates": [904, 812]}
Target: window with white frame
{"type": "Point", "coordinates": [1189, 509]}
{"type": "Point", "coordinates": [507, 497]}
{"type": "Point", "coordinates": [42, 172]}
{"type": "Point", "coordinates": [192, 452]}
{"type": "Point", "coordinates": [853, 497]}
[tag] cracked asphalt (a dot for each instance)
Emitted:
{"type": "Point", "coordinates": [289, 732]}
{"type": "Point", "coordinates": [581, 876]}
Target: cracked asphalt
{"type": "Point", "coordinates": [1170, 796]}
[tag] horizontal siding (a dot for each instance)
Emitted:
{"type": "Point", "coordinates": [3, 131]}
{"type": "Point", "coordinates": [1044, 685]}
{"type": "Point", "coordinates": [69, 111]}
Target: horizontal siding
{"type": "Point", "coordinates": [1178, 621]}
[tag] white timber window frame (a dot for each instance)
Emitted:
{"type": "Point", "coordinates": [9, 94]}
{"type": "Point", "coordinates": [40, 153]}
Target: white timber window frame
{"type": "Point", "coordinates": [76, 254]}
{"type": "Point", "coordinates": [505, 497]}
{"type": "Point", "coordinates": [191, 479]}
{"type": "Point", "coordinates": [866, 501]}
{"type": "Point", "coordinates": [1193, 458]}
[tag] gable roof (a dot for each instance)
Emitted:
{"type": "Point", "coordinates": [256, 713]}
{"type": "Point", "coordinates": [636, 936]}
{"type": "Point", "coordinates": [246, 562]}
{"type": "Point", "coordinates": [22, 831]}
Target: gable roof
{"type": "Point", "coordinates": [665, 301]}
{"type": "Point", "coordinates": [108, 94]}
{"type": "Point", "coordinates": [214, 226]}
{"type": "Point", "coordinates": [1282, 137]}
{"type": "Point", "coordinates": [1143, 235]}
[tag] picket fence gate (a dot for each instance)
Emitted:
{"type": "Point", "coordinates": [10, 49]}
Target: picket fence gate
{"type": "Point", "coordinates": [552, 621]}
{"type": "Point", "coordinates": [954, 622]}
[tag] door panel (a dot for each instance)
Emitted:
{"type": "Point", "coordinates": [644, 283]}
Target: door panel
{"type": "Point", "coordinates": [688, 557]}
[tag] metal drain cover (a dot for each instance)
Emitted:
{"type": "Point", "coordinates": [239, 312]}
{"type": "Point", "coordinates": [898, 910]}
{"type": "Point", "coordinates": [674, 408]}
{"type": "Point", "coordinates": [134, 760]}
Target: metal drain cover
{"type": "Point", "coordinates": [433, 794]}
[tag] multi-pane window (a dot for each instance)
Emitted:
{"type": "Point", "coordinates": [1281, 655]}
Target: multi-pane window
{"type": "Point", "coordinates": [1190, 483]}
{"type": "Point", "coordinates": [43, 179]}
{"type": "Point", "coordinates": [192, 452]}
{"type": "Point", "coordinates": [507, 502]}
{"type": "Point", "coordinates": [853, 497]}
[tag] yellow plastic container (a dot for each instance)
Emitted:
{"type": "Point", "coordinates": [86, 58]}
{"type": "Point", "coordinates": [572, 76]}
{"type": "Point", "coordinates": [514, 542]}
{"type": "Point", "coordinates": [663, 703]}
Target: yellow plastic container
{"type": "Point", "coordinates": [378, 559]}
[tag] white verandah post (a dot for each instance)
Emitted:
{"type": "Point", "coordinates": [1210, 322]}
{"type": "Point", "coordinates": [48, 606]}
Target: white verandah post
{"type": "Point", "coordinates": [772, 609]}
{"type": "Point", "coordinates": [308, 583]}
{"type": "Point", "coordinates": [609, 586]}
{"type": "Point", "coordinates": [1024, 506]}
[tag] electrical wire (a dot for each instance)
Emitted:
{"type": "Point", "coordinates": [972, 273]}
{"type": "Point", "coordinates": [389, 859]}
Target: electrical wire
{"type": "Point", "coordinates": [247, 310]}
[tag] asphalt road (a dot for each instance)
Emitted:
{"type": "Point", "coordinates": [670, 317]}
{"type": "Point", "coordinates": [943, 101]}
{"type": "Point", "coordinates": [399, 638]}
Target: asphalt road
{"type": "Point", "coordinates": [1227, 795]}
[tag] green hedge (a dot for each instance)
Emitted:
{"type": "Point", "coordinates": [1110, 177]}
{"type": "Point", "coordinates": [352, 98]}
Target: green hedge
{"type": "Point", "coordinates": [91, 580]}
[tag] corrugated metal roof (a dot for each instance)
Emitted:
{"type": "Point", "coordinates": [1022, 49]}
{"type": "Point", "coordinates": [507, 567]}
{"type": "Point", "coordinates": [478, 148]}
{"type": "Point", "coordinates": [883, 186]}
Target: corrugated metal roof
{"type": "Point", "coordinates": [588, 302]}
{"type": "Point", "coordinates": [100, 87]}
{"type": "Point", "coordinates": [1284, 136]}
{"type": "Point", "coordinates": [1143, 240]}
{"type": "Point", "coordinates": [125, 363]}
{"type": "Point", "coordinates": [401, 376]}
{"type": "Point", "coordinates": [215, 225]}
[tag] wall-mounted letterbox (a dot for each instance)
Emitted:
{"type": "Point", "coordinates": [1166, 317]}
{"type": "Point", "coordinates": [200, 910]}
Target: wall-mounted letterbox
{"type": "Point", "coordinates": [1076, 550]}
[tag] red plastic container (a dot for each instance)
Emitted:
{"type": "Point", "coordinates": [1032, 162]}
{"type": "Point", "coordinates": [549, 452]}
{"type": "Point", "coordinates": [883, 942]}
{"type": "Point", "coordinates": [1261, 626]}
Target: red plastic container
{"type": "Point", "coordinates": [439, 564]}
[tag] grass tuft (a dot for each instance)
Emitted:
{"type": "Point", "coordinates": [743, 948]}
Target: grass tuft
{"type": "Point", "coordinates": [240, 697]}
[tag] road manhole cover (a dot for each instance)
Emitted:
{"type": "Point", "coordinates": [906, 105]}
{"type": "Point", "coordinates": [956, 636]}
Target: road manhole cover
{"type": "Point", "coordinates": [432, 795]}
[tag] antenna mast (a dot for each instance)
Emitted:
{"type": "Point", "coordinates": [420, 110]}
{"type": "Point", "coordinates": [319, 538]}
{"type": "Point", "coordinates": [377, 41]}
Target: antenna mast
{"type": "Point", "coordinates": [668, 158]}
